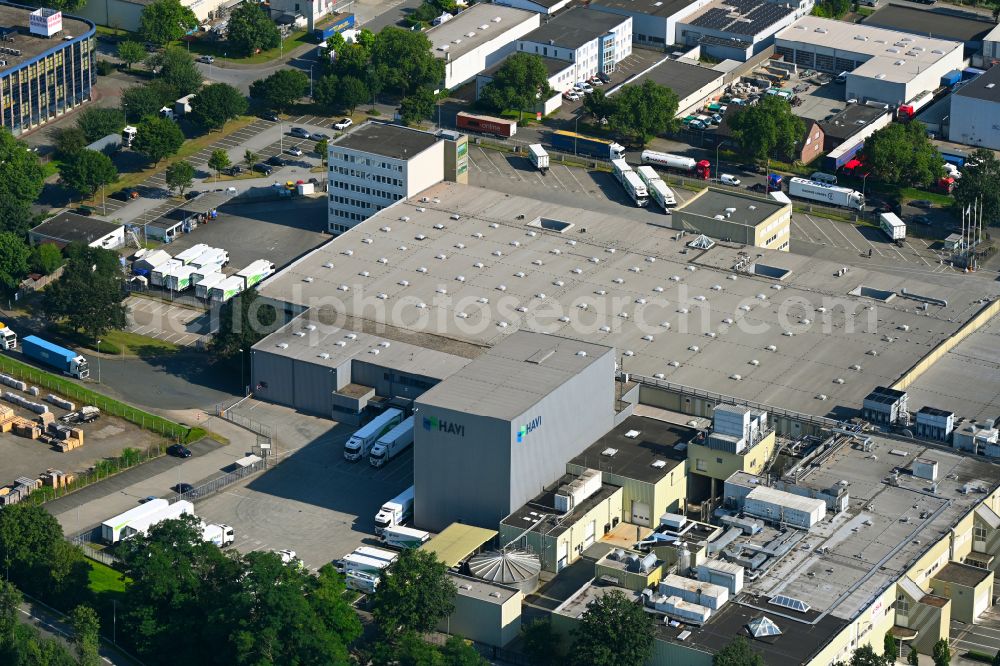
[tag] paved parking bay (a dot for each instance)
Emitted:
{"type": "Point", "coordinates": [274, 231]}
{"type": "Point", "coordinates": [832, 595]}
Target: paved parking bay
{"type": "Point", "coordinates": [179, 325]}
{"type": "Point", "coordinates": [981, 637]}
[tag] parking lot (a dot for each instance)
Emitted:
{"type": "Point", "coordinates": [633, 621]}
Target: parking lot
{"type": "Point", "coordinates": [632, 66]}
{"type": "Point", "coordinates": [314, 502]}
{"type": "Point", "coordinates": [982, 637]}
{"type": "Point", "coordinates": [183, 326]}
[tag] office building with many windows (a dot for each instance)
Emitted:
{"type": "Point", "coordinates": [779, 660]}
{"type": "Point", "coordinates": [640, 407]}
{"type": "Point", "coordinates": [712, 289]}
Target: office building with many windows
{"type": "Point", "coordinates": [46, 65]}
{"type": "Point", "coordinates": [593, 41]}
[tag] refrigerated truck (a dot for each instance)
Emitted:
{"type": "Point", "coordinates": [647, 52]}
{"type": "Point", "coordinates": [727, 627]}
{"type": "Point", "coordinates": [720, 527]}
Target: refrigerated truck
{"type": "Point", "coordinates": [221, 534]}
{"type": "Point", "coordinates": [893, 227]}
{"type": "Point", "coordinates": [388, 556]}
{"type": "Point", "coordinates": [831, 195]}
{"type": "Point", "coordinates": [392, 443]}
{"type": "Point", "coordinates": [111, 529]}
{"type": "Point", "coordinates": [65, 360]}
{"type": "Point", "coordinates": [355, 562]}
{"type": "Point", "coordinates": [362, 581]}
{"type": "Point", "coordinates": [158, 275]}
{"type": "Point", "coordinates": [179, 279]}
{"type": "Point", "coordinates": [404, 537]}
{"type": "Point", "coordinates": [192, 253]}
{"type": "Point", "coordinates": [395, 512]}
{"type": "Point", "coordinates": [698, 168]}
{"type": "Point", "coordinates": [211, 257]}
{"type": "Point", "coordinates": [539, 157]}
{"type": "Point", "coordinates": [199, 274]}
{"type": "Point", "coordinates": [205, 284]}
{"type": "Point", "coordinates": [471, 122]}
{"type": "Point", "coordinates": [146, 522]}
{"type": "Point", "coordinates": [361, 442]}
{"type": "Point", "coordinates": [571, 142]}
{"type": "Point", "coordinates": [630, 181]}
{"type": "Point", "coordinates": [256, 272]}
{"type": "Point", "coordinates": [658, 190]}
{"type": "Point", "coordinates": [225, 290]}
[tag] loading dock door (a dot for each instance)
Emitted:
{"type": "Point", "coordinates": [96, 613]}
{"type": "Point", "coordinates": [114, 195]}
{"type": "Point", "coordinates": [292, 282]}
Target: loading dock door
{"type": "Point", "coordinates": [588, 534]}
{"type": "Point", "coordinates": [640, 514]}
{"type": "Point", "coordinates": [562, 555]}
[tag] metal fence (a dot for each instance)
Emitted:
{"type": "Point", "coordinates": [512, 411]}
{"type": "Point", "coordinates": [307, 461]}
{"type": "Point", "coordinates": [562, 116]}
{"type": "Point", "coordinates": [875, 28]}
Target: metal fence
{"type": "Point", "coordinates": [218, 483]}
{"type": "Point", "coordinates": [242, 421]}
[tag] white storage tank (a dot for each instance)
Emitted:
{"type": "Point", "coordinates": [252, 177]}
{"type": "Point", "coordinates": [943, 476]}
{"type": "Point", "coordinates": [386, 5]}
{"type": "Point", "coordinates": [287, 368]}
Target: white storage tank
{"type": "Point", "coordinates": [515, 568]}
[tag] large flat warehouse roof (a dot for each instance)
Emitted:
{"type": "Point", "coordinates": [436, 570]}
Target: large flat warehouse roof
{"type": "Point", "coordinates": [681, 77]}
{"type": "Point", "coordinates": [661, 8]}
{"type": "Point", "coordinates": [575, 27]}
{"type": "Point", "coordinates": [737, 207]}
{"type": "Point", "coordinates": [483, 22]}
{"type": "Point", "coordinates": [469, 266]}
{"type": "Point", "coordinates": [892, 55]}
{"type": "Point", "coordinates": [939, 22]}
{"type": "Point", "coordinates": [387, 140]}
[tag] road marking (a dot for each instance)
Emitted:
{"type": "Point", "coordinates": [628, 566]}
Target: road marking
{"type": "Point", "coordinates": [796, 225]}
{"type": "Point", "coordinates": [916, 253]}
{"type": "Point", "coordinates": [820, 229]}
{"type": "Point", "coordinates": [556, 176]}
{"type": "Point", "coordinates": [491, 161]}
{"type": "Point", "coordinates": [573, 175]}
{"type": "Point", "coordinates": [836, 225]}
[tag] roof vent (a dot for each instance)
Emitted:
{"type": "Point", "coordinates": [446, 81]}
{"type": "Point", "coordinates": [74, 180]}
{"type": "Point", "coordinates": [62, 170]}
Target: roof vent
{"type": "Point", "coordinates": [307, 278]}
{"type": "Point", "coordinates": [658, 464]}
{"type": "Point", "coordinates": [324, 355]}
{"type": "Point", "coordinates": [328, 264]}
{"type": "Point", "coordinates": [581, 353]}
{"type": "Point", "coordinates": [609, 452]}
{"type": "Point", "coordinates": [632, 434]}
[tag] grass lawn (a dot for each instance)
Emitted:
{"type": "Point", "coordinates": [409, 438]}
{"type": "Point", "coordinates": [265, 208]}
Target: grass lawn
{"type": "Point", "coordinates": [934, 197]}
{"type": "Point", "coordinates": [103, 579]}
{"type": "Point", "coordinates": [116, 342]}
{"type": "Point", "coordinates": [245, 175]}
{"type": "Point", "coordinates": [220, 50]}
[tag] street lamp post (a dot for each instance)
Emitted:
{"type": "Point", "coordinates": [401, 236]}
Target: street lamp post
{"type": "Point", "coordinates": [717, 146]}
{"type": "Point", "coordinates": [310, 81]}
{"type": "Point", "coordinates": [98, 361]}
{"type": "Point", "coordinates": [243, 384]}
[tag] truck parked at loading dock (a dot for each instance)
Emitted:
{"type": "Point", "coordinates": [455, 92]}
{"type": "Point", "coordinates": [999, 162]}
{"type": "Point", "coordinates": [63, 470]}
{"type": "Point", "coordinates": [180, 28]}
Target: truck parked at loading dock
{"type": "Point", "coordinates": [256, 272]}
{"type": "Point", "coordinates": [64, 360]}
{"type": "Point", "coordinates": [830, 195]}
{"type": "Point", "coordinates": [539, 157]}
{"type": "Point", "coordinates": [404, 537]}
{"type": "Point", "coordinates": [392, 443]}
{"type": "Point", "coordinates": [630, 181]}
{"type": "Point", "coordinates": [578, 144]}
{"type": "Point", "coordinates": [361, 442]}
{"type": "Point", "coordinates": [697, 168]}
{"type": "Point", "coordinates": [395, 512]}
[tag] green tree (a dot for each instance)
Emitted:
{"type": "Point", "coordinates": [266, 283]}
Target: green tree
{"type": "Point", "coordinates": [164, 21]}
{"type": "Point", "coordinates": [219, 162]}
{"type": "Point", "coordinates": [645, 111]}
{"type": "Point", "coordinates": [14, 254]}
{"type": "Point", "coordinates": [243, 321]}
{"type": "Point", "coordinates": [459, 652]}
{"type": "Point", "coordinates": [176, 67]}
{"type": "Point", "coordinates": [250, 158]}
{"type": "Point", "coordinates": [280, 90]}
{"type": "Point", "coordinates": [147, 100]}
{"type": "Point", "coordinates": [912, 658]}
{"type": "Point", "coordinates": [69, 140]}
{"type": "Point", "coordinates": [97, 122]}
{"type": "Point", "coordinates": [251, 29]}
{"type": "Point", "coordinates": [834, 9]}
{"type": "Point", "coordinates": [86, 171]}
{"type": "Point", "coordinates": [131, 52]}
{"type": "Point", "coordinates": [737, 653]}
{"type": "Point", "coordinates": [37, 557]}
{"type": "Point", "coordinates": [179, 176]}
{"type": "Point", "coordinates": [767, 129]}
{"type": "Point", "coordinates": [415, 594]}
{"type": "Point", "coordinates": [941, 653]}
{"type": "Point", "coordinates": [217, 104]}
{"type": "Point", "coordinates": [28, 648]}
{"type": "Point", "coordinates": [599, 105]}
{"type": "Point", "coordinates": [86, 635]}
{"type": "Point", "coordinates": [326, 91]}
{"type": "Point", "coordinates": [89, 294]}
{"type": "Point", "coordinates": [323, 149]}
{"type": "Point", "coordinates": [541, 644]}
{"type": "Point", "coordinates": [978, 185]}
{"type": "Point", "coordinates": [21, 181]}
{"type": "Point", "coordinates": [866, 656]}
{"type": "Point", "coordinates": [352, 92]}
{"type": "Point", "coordinates": [520, 83]}
{"type": "Point", "coordinates": [613, 631]}
{"type": "Point", "coordinates": [406, 60]}
{"type": "Point", "coordinates": [890, 648]}
{"type": "Point", "coordinates": [996, 659]}
{"type": "Point", "coordinates": [10, 602]}
{"type": "Point", "coordinates": [417, 106]}
{"type": "Point", "coordinates": [45, 258]}
{"type": "Point", "coordinates": [902, 154]}
{"type": "Point", "coordinates": [157, 138]}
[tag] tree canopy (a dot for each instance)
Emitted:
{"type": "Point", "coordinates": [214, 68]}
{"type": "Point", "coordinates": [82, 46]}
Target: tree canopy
{"type": "Point", "coordinates": [90, 292]}
{"type": "Point", "coordinates": [415, 594]}
{"type": "Point", "coordinates": [834, 9]}
{"type": "Point", "coordinates": [541, 643]}
{"type": "Point", "coordinates": [737, 653]}
{"type": "Point", "coordinates": [177, 69]}
{"type": "Point", "coordinates": [219, 161]}
{"type": "Point", "coordinates": [14, 260]}
{"type": "Point", "coordinates": [216, 104]}
{"type": "Point", "coordinates": [97, 122]}
{"type": "Point", "coordinates": [243, 321]}
{"type": "Point", "coordinates": [521, 83]}
{"type": "Point", "coordinates": [179, 176]}
{"type": "Point", "coordinates": [146, 100]}
{"type": "Point", "coordinates": [280, 90]}
{"type": "Point", "coordinates": [343, 93]}
{"type": "Point", "coordinates": [767, 129]}
{"type": "Point", "coordinates": [157, 138]}
{"type": "Point", "coordinates": [69, 140]}
{"type": "Point", "coordinates": [613, 631]}
{"type": "Point", "coordinates": [86, 635]}
{"type": "Point", "coordinates": [902, 154]}
{"type": "Point", "coordinates": [644, 111]}
{"type": "Point", "coordinates": [941, 653]}
{"type": "Point", "coordinates": [251, 29]}
{"type": "Point", "coordinates": [417, 106]}
{"type": "Point", "coordinates": [978, 185]}
{"type": "Point", "coordinates": [164, 21]}
{"type": "Point", "coordinates": [21, 182]}
{"type": "Point", "coordinates": [866, 656]}
{"type": "Point", "coordinates": [405, 60]}
{"type": "Point", "coordinates": [86, 171]}
{"type": "Point", "coordinates": [131, 52]}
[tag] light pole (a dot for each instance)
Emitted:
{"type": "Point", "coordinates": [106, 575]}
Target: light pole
{"type": "Point", "coordinates": [310, 81]}
{"type": "Point", "coordinates": [98, 361]}
{"type": "Point", "coordinates": [576, 127]}
{"type": "Point", "coordinates": [243, 384]}
{"type": "Point", "coordinates": [717, 146]}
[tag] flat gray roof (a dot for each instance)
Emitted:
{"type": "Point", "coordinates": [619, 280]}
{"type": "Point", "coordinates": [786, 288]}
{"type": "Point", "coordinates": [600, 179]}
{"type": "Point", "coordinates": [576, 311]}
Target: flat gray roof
{"type": "Point", "coordinates": [15, 20]}
{"type": "Point", "coordinates": [943, 23]}
{"type": "Point", "coordinates": [556, 522]}
{"type": "Point", "coordinates": [983, 86]}
{"type": "Point", "coordinates": [479, 589]}
{"type": "Point", "coordinates": [552, 66]}
{"type": "Point", "coordinates": [69, 227]}
{"type": "Point", "coordinates": [480, 21]}
{"type": "Point", "coordinates": [636, 454]}
{"type": "Point", "coordinates": [850, 121]}
{"type": "Point", "coordinates": [575, 27]}
{"type": "Point", "coordinates": [681, 77]}
{"type": "Point", "coordinates": [662, 8]}
{"type": "Point", "coordinates": [539, 280]}
{"type": "Point", "coordinates": [513, 376]}
{"type": "Point", "coordinates": [387, 140]}
{"type": "Point", "coordinates": [750, 210]}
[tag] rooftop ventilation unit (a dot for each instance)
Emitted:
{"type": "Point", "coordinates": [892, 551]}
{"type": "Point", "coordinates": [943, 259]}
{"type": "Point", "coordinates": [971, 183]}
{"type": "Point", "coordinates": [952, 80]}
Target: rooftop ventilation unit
{"type": "Point", "coordinates": [609, 452]}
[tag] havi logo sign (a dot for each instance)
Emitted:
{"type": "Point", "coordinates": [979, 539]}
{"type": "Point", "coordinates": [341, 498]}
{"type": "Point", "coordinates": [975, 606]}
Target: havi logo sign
{"type": "Point", "coordinates": [434, 423]}
{"type": "Point", "coordinates": [523, 431]}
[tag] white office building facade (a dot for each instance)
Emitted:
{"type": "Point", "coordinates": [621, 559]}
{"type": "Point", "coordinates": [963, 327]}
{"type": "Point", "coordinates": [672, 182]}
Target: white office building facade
{"type": "Point", "coordinates": [593, 41]}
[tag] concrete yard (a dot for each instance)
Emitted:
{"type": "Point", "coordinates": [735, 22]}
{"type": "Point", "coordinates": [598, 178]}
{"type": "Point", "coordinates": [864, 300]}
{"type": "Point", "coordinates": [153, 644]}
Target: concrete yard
{"type": "Point", "coordinates": [180, 325]}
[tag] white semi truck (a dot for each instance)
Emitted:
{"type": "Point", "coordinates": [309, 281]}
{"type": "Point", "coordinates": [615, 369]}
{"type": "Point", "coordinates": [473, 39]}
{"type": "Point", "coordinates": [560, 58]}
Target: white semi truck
{"type": "Point", "coordinates": [362, 581]}
{"type": "Point", "coordinates": [539, 157]}
{"type": "Point", "coordinates": [386, 556]}
{"type": "Point", "coordinates": [221, 534]}
{"type": "Point", "coordinates": [192, 253]}
{"type": "Point", "coordinates": [8, 338]}
{"type": "Point", "coordinates": [142, 525]}
{"type": "Point", "coordinates": [356, 562]}
{"type": "Point", "coordinates": [395, 512]}
{"type": "Point", "coordinates": [630, 181]}
{"type": "Point", "coordinates": [893, 227]}
{"type": "Point", "coordinates": [392, 443]}
{"type": "Point", "coordinates": [658, 190]}
{"type": "Point", "coordinates": [831, 195]}
{"type": "Point", "coordinates": [361, 442]}
{"type": "Point", "coordinates": [404, 537]}
{"type": "Point", "coordinates": [111, 529]}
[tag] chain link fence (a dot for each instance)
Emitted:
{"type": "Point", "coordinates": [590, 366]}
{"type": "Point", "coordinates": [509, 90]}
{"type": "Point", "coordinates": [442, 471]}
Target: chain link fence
{"type": "Point", "coordinates": [103, 469]}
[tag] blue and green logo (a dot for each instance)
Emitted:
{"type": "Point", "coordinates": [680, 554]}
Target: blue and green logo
{"type": "Point", "coordinates": [523, 431]}
{"type": "Point", "coordinates": [432, 423]}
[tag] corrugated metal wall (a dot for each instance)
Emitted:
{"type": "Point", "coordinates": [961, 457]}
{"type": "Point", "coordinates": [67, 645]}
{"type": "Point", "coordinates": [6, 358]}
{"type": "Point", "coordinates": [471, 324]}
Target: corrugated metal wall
{"type": "Point", "coordinates": [313, 386]}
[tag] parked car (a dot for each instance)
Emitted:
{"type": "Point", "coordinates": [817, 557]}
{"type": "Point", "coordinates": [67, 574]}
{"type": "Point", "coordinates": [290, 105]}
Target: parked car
{"type": "Point", "coordinates": [179, 451]}
{"type": "Point", "coordinates": [760, 188]}
{"type": "Point", "coordinates": [125, 195]}
{"type": "Point", "coordinates": [571, 96]}
{"type": "Point", "coordinates": [920, 219]}
{"type": "Point", "coordinates": [729, 179]}
{"type": "Point", "coordinates": [583, 87]}
{"type": "Point", "coordinates": [234, 170]}
{"type": "Point", "coordinates": [207, 59]}
{"type": "Point", "coordinates": [270, 115]}
{"type": "Point", "coordinates": [276, 160]}
{"type": "Point", "coordinates": [921, 203]}
{"type": "Point", "coordinates": [265, 169]}
{"type": "Point", "coordinates": [697, 125]}
{"type": "Point", "coordinates": [86, 211]}
{"type": "Point", "coordinates": [182, 488]}
{"type": "Point", "coordinates": [300, 132]}
{"type": "Point", "coordinates": [319, 136]}
{"type": "Point", "coordinates": [604, 77]}
{"type": "Point", "coordinates": [343, 124]}
{"type": "Point", "coordinates": [594, 81]}
{"type": "Point", "coordinates": [193, 194]}
{"type": "Point", "coordinates": [294, 150]}
{"type": "Point", "coordinates": [148, 498]}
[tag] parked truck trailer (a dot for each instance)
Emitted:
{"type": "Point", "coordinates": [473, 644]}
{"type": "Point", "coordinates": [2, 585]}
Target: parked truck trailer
{"type": "Point", "coordinates": [539, 157]}
{"type": "Point", "coordinates": [893, 227]}
{"type": "Point", "coordinates": [697, 168]}
{"type": "Point", "coordinates": [64, 360]}
{"type": "Point", "coordinates": [830, 195]}
{"type": "Point", "coordinates": [361, 442]}
{"type": "Point", "coordinates": [630, 182]}
{"type": "Point", "coordinates": [256, 272]}
{"type": "Point", "coordinates": [404, 537]}
{"type": "Point", "coordinates": [226, 289]}
{"type": "Point", "coordinates": [392, 443]}
{"type": "Point", "coordinates": [578, 144]}
{"type": "Point", "coordinates": [658, 190]}
{"type": "Point", "coordinates": [395, 512]}
{"type": "Point", "coordinates": [141, 526]}
{"type": "Point", "coordinates": [111, 529]}
{"type": "Point", "coordinates": [471, 122]}
{"type": "Point", "coordinates": [221, 535]}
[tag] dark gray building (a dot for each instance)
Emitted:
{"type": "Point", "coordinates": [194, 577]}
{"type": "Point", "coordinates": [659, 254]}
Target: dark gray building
{"type": "Point", "coordinates": [499, 430]}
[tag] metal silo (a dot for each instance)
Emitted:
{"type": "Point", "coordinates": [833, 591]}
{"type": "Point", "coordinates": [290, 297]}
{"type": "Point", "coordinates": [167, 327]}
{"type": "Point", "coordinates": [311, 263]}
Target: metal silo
{"type": "Point", "coordinates": [515, 568]}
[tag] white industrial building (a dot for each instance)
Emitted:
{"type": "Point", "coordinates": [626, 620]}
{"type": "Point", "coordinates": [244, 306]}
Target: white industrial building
{"type": "Point", "coordinates": [378, 164]}
{"type": "Point", "coordinates": [883, 65]}
{"type": "Point", "coordinates": [478, 38]}
{"type": "Point", "coordinates": [593, 41]}
{"type": "Point", "coordinates": [975, 108]}
{"type": "Point", "coordinates": [737, 29]}
{"type": "Point", "coordinates": [654, 22]}
{"type": "Point", "coordinates": [546, 7]}
{"type": "Point", "coordinates": [781, 507]}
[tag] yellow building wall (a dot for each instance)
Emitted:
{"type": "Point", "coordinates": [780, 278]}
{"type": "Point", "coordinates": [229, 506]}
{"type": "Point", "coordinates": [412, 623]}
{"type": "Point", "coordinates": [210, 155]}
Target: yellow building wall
{"type": "Point", "coordinates": [631, 580]}
{"type": "Point", "coordinates": [668, 495]}
{"type": "Point", "coordinates": [931, 622]}
{"type": "Point", "coordinates": [869, 627]}
{"type": "Point", "coordinates": [967, 602]}
{"type": "Point", "coordinates": [720, 465]}
{"type": "Point", "coordinates": [774, 233]}
{"type": "Point", "coordinates": [483, 621]}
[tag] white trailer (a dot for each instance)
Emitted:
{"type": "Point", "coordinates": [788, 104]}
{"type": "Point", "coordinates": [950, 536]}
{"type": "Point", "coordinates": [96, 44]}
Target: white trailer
{"type": "Point", "coordinates": [362, 581]}
{"type": "Point", "coordinates": [658, 190]}
{"type": "Point", "coordinates": [225, 290]}
{"type": "Point", "coordinates": [111, 529]}
{"type": "Point", "coordinates": [157, 275]}
{"type": "Point", "coordinates": [180, 278]}
{"type": "Point", "coordinates": [629, 180]}
{"type": "Point", "coordinates": [355, 562]}
{"type": "Point", "coordinates": [256, 272]}
{"type": "Point", "coordinates": [210, 257]}
{"type": "Point", "coordinates": [192, 253]}
{"type": "Point", "coordinates": [395, 512]}
{"type": "Point", "coordinates": [360, 443]}
{"type": "Point", "coordinates": [142, 525]}
{"type": "Point", "coordinates": [221, 534]}
{"type": "Point", "coordinates": [539, 157]}
{"type": "Point", "coordinates": [198, 275]}
{"type": "Point", "coordinates": [404, 537]}
{"type": "Point", "coordinates": [392, 443]}
{"type": "Point", "coordinates": [893, 227]}
{"type": "Point", "coordinates": [386, 556]}
{"type": "Point", "coordinates": [831, 195]}
{"type": "Point", "coordinates": [205, 284]}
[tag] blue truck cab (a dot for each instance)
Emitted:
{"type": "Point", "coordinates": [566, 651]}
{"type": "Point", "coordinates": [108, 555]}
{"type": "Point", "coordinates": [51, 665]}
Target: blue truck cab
{"type": "Point", "coordinates": [64, 360]}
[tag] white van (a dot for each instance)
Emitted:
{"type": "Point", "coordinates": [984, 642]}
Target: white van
{"type": "Point", "coordinates": [826, 178]}
{"type": "Point", "coordinates": [729, 179]}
